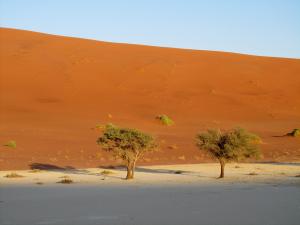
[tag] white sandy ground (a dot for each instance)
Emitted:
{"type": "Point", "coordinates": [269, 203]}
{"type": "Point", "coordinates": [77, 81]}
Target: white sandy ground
{"type": "Point", "coordinates": [156, 196]}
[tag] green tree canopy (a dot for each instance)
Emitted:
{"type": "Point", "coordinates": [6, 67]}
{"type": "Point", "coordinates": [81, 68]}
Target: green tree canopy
{"type": "Point", "coordinates": [232, 145]}
{"type": "Point", "coordinates": [127, 144]}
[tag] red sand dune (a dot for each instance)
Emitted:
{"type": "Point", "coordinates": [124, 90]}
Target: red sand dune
{"type": "Point", "coordinates": [55, 90]}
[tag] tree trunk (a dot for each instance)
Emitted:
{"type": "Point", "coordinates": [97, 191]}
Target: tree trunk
{"type": "Point", "coordinates": [222, 163]}
{"type": "Point", "coordinates": [129, 173]}
{"type": "Point", "coordinates": [133, 168]}
{"type": "Point", "coordinates": [130, 170]}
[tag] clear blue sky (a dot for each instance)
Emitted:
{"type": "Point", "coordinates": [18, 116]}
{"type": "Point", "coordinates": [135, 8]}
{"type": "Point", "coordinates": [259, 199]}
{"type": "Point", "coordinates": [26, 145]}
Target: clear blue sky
{"type": "Point", "coordinates": [261, 27]}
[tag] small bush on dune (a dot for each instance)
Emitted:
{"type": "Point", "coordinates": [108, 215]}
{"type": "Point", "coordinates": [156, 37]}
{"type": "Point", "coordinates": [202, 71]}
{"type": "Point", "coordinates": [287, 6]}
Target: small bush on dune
{"type": "Point", "coordinates": [294, 133]}
{"type": "Point", "coordinates": [11, 144]}
{"type": "Point", "coordinates": [165, 120]}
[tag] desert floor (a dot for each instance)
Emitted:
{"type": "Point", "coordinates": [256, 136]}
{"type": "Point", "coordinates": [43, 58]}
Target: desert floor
{"type": "Point", "coordinates": [173, 194]}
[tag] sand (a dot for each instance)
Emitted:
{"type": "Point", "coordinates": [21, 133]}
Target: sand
{"type": "Point", "coordinates": [156, 196]}
{"type": "Point", "coordinates": [54, 91]}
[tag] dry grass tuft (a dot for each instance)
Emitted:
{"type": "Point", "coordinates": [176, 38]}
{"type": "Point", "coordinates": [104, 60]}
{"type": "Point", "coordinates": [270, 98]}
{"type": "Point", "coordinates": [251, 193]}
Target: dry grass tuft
{"type": "Point", "coordinates": [13, 175]}
{"type": "Point", "coordinates": [66, 181]}
{"type": "Point", "coordinates": [252, 174]}
{"type": "Point", "coordinates": [107, 172]}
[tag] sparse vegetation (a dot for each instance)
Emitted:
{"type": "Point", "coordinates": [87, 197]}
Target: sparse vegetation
{"type": "Point", "coordinates": [106, 172]}
{"type": "Point", "coordinates": [178, 172]}
{"type": "Point", "coordinates": [11, 144]}
{"type": "Point", "coordinates": [253, 174]}
{"type": "Point", "coordinates": [127, 144]}
{"type": "Point", "coordinates": [294, 133]}
{"type": "Point", "coordinates": [98, 126]}
{"type": "Point", "coordinates": [228, 146]}
{"type": "Point", "coordinates": [65, 180]}
{"type": "Point", "coordinates": [13, 175]}
{"type": "Point", "coordinates": [165, 120]}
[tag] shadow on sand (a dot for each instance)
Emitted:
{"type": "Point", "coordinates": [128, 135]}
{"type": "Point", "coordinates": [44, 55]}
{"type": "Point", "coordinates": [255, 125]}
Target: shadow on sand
{"type": "Point", "coordinates": [67, 169]}
{"type": "Point", "coordinates": [72, 170]}
{"type": "Point", "coordinates": [153, 171]}
{"type": "Point", "coordinates": [279, 163]}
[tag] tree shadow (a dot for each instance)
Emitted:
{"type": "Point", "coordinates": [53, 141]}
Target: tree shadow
{"type": "Point", "coordinates": [66, 169]}
{"type": "Point", "coordinates": [279, 163]}
{"type": "Point", "coordinates": [71, 170]}
{"type": "Point", "coordinates": [164, 171]}
{"type": "Point", "coordinates": [111, 167]}
{"type": "Point", "coordinates": [43, 166]}
{"type": "Point", "coordinates": [152, 171]}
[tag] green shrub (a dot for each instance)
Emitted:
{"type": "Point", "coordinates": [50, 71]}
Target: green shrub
{"type": "Point", "coordinates": [11, 144]}
{"type": "Point", "coordinates": [294, 133]}
{"type": "Point", "coordinates": [165, 120]}
{"type": "Point", "coordinates": [232, 145]}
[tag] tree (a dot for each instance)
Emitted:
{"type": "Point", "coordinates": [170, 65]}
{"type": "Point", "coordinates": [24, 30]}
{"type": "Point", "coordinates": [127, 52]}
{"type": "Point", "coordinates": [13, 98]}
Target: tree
{"type": "Point", "coordinates": [127, 144]}
{"type": "Point", "coordinates": [232, 145]}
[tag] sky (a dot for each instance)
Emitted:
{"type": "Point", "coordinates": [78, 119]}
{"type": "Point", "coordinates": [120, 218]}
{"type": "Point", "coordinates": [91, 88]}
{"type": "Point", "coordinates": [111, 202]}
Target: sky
{"type": "Point", "coordinates": [258, 27]}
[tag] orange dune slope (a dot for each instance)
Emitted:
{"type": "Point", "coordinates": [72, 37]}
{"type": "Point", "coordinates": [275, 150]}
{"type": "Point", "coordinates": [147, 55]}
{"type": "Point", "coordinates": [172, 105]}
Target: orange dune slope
{"type": "Point", "coordinates": [55, 90]}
